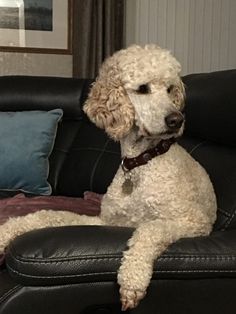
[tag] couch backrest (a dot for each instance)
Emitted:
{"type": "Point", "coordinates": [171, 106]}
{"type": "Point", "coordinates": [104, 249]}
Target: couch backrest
{"type": "Point", "coordinates": [84, 158]}
{"type": "Point", "coordinates": [210, 135]}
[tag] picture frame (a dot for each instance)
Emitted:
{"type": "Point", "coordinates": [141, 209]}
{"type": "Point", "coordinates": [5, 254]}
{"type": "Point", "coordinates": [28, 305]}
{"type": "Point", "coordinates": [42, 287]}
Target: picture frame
{"type": "Point", "coordinates": [36, 26]}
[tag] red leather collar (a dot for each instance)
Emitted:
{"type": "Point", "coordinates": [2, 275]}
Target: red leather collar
{"type": "Point", "coordinates": [142, 159]}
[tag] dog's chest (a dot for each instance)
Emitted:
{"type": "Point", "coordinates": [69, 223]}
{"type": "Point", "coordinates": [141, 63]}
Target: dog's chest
{"type": "Point", "coordinates": [164, 188]}
{"type": "Point", "coordinates": [141, 195]}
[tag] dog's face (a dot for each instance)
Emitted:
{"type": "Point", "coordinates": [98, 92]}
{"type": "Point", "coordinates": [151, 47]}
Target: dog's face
{"type": "Point", "coordinates": [158, 106]}
{"type": "Point", "coordinates": [138, 87]}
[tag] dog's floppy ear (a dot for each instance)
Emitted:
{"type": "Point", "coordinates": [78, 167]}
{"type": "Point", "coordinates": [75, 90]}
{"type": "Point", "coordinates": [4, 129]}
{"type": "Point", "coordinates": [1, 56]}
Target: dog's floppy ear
{"type": "Point", "coordinates": [108, 106]}
{"type": "Point", "coordinates": [179, 94]}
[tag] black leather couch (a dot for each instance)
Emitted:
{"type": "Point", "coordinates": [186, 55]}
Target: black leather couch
{"type": "Point", "coordinates": [72, 270]}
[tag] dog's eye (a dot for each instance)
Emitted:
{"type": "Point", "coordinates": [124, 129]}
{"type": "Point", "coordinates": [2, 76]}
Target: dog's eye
{"type": "Point", "coordinates": [169, 89]}
{"type": "Point", "coordinates": [143, 89]}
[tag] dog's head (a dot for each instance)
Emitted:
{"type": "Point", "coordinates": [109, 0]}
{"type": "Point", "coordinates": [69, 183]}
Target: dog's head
{"type": "Point", "coordinates": [138, 87]}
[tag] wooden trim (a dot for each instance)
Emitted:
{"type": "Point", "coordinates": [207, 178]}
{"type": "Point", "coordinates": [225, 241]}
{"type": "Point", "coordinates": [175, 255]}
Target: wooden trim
{"type": "Point", "coordinates": [68, 50]}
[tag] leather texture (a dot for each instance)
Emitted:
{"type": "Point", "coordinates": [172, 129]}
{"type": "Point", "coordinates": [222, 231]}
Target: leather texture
{"type": "Point", "coordinates": [219, 162]}
{"type": "Point", "coordinates": [73, 269]}
{"type": "Point", "coordinates": [90, 163]}
{"type": "Point", "coordinates": [22, 93]}
{"type": "Point", "coordinates": [165, 296]}
{"type": "Point", "coordinates": [97, 256]}
{"type": "Point", "coordinates": [210, 106]}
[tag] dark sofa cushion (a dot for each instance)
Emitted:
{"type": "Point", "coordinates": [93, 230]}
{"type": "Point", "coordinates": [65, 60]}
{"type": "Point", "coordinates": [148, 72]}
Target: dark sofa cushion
{"type": "Point", "coordinates": [219, 162]}
{"type": "Point", "coordinates": [210, 135]}
{"type": "Point", "coordinates": [24, 93]}
{"type": "Point", "coordinates": [91, 163]}
{"type": "Point", "coordinates": [210, 106]}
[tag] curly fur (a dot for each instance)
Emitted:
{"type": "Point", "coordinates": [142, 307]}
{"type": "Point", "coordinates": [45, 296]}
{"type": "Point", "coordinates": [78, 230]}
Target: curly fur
{"type": "Point", "coordinates": [137, 88]}
{"type": "Point", "coordinates": [108, 104]}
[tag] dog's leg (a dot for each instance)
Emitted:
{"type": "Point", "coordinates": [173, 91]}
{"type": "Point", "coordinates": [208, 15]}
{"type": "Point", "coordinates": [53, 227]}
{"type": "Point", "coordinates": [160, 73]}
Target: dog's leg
{"type": "Point", "coordinates": [14, 227]}
{"type": "Point", "coordinates": [147, 243]}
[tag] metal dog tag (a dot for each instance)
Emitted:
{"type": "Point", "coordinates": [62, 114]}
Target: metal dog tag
{"type": "Point", "coordinates": [127, 186]}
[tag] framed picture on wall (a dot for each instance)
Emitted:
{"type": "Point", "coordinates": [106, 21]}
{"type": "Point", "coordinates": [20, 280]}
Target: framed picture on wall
{"type": "Point", "coordinates": [37, 26]}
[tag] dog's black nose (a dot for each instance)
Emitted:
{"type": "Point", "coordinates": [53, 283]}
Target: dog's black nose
{"type": "Point", "coordinates": [174, 120]}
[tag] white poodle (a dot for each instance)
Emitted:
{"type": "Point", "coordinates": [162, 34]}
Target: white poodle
{"type": "Point", "coordinates": [158, 189]}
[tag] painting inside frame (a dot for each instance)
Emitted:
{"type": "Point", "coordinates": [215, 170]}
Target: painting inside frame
{"type": "Point", "coordinates": [35, 25]}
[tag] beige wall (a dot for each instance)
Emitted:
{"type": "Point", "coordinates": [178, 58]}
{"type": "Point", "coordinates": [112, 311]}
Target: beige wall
{"type": "Point", "coordinates": [200, 33]}
{"type": "Point", "coordinates": [12, 63]}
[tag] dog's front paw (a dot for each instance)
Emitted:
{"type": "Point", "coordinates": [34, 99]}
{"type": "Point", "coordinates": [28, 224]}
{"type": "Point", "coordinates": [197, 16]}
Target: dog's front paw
{"type": "Point", "coordinates": [130, 298]}
{"type": "Point", "coordinates": [133, 277]}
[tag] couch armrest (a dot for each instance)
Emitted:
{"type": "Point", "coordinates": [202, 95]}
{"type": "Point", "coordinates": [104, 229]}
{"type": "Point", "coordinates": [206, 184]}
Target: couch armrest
{"type": "Point", "coordinates": [71, 254]}
{"type": "Point", "coordinates": [76, 254]}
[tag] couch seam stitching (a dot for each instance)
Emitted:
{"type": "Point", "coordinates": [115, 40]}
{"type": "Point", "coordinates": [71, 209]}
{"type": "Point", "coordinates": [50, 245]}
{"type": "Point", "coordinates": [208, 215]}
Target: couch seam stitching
{"type": "Point", "coordinates": [114, 272]}
{"type": "Point", "coordinates": [196, 147]}
{"type": "Point", "coordinates": [74, 258]}
{"type": "Point", "coordinates": [9, 292]}
{"type": "Point", "coordinates": [224, 212]}
{"type": "Point", "coordinates": [97, 150]}
{"type": "Point", "coordinates": [96, 164]}
{"type": "Point", "coordinates": [229, 220]}
{"type": "Point", "coordinates": [179, 257]}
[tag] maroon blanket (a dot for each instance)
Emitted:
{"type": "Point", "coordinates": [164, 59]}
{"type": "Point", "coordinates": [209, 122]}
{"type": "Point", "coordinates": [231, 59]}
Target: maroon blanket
{"type": "Point", "coordinates": [20, 205]}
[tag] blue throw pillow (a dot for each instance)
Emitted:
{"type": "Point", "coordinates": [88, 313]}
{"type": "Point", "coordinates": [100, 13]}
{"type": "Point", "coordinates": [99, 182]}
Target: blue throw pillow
{"type": "Point", "coordinates": [26, 141]}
